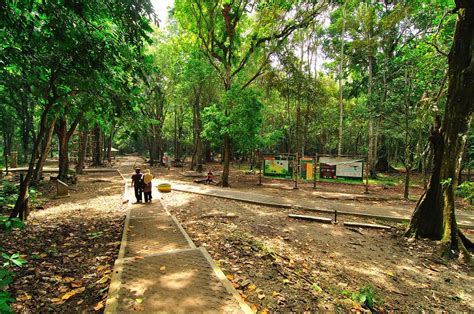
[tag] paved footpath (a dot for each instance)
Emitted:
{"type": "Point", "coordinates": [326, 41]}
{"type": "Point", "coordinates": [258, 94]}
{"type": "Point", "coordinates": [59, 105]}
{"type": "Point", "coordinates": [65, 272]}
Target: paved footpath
{"type": "Point", "coordinates": [375, 211]}
{"type": "Point", "coordinates": [159, 269]}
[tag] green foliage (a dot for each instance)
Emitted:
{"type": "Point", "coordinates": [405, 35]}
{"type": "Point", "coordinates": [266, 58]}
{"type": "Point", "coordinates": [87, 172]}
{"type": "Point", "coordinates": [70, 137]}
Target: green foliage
{"type": "Point", "coordinates": [242, 122]}
{"type": "Point", "coordinates": [6, 277]}
{"type": "Point", "coordinates": [5, 301]}
{"type": "Point", "coordinates": [9, 188]}
{"type": "Point", "coordinates": [446, 183]}
{"type": "Point", "coordinates": [366, 296]}
{"type": "Point", "coordinates": [14, 259]}
{"type": "Point", "coordinates": [466, 191]}
{"type": "Point", "coordinates": [8, 224]}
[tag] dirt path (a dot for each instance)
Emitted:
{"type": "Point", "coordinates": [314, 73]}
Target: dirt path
{"type": "Point", "coordinates": [282, 264]}
{"type": "Point", "coordinates": [277, 263]}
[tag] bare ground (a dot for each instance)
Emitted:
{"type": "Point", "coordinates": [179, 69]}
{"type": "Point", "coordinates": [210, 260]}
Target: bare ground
{"type": "Point", "coordinates": [277, 263]}
{"type": "Point", "coordinates": [70, 245]}
{"type": "Point", "coordinates": [283, 264]}
{"type": "Point", "coordinates": [379, 194]}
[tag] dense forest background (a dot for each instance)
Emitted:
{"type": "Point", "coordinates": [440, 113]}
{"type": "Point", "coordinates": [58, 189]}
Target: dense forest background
{"type": "Point", "coordinates": [225, 80]}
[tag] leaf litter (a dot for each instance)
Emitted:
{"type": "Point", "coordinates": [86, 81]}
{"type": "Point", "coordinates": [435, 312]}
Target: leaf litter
{"type": "Point", "coordinates": [70, 248]}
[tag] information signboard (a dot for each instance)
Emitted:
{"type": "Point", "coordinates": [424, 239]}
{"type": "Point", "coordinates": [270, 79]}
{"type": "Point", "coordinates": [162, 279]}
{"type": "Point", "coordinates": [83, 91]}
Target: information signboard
{"type": "Point", "coordinates": [306, 168]}
{"type": "Point", "coordinates": [341, 167]}
{"type": "Point", "coordinates": [277, 166]}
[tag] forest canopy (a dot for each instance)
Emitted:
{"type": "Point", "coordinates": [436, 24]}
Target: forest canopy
{"type": "Point", "coordinates": [230, 80]}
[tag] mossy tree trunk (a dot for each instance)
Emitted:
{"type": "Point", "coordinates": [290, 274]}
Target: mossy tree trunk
{"type": "Point", "coordinates": [434, 216]}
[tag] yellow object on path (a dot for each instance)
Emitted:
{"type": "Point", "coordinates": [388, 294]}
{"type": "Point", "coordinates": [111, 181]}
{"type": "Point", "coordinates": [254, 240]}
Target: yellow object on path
{"type": "Point", "coordinates": [147, 178]}
{"type": "Point", "coordinates": [164, 187]}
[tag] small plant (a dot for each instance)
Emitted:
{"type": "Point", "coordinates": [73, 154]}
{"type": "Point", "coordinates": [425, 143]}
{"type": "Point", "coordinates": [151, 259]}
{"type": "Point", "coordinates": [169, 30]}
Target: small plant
{"type": "Point", "coordinates": [446, 183]}
{"type": "Point", "coordinates": [9, 188]}
{"type": "Point", "coordinates": [367, 297]}
{"type": "Point", "coordinates": [93, 235]}
{"type": "Point", "coordinates": [8, 224]}
{"type": "Point", "coordinates": [14, 259]}
{"type": "Point", "coordinates": [466, 191]}
{"type": "Point", "coordinates": [6, 278]}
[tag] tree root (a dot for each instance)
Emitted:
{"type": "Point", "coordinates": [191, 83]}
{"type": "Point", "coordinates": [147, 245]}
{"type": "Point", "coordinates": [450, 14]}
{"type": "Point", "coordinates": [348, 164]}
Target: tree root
{"type": "Point", "coordinates": [468, 244]}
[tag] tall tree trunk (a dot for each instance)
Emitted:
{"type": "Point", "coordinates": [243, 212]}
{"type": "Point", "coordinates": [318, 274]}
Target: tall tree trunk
{"type": "Point", "coordinates": [407, 164]}
{"type": "Point", "coordinates": [341, 67]}
{"type": "Point", "coordinates": [46, 146]}
{"type": "Point", "coordinates": [407, 160]}
{"type": "Point", "coordinates": [7, 144]}
{"type": "Point", "coordinates": [370, 155]}
{"type": "Point", "coordinates": [109, 144]}
{"type": "Point", "coordinates": [226, 170]}
{"type": "Point", "coordinates": [97, 149]}
{"type": "Point", "coordinates": [198, 156]}
{"type": "Point", "coordinates": [298, 106]}
{"type": "Point", "coordinates": [22, 200]}
{"type": "Point", "coordinates": [424, 158]}
{"type": "Point", "coordinates": [83, 137]}
{"type": "Point", "coordinates": [64, 135]}
{"type": "Point", "coordinates": [288, 112]}
{"type": "Point", "coordinates": [227, 140]}
{"type": "Point", "coordinates": [62, 148]}
{"type": "Point", "coordinates": [209, 157]}
{"type": "Point", "coordinates": [434, 216]}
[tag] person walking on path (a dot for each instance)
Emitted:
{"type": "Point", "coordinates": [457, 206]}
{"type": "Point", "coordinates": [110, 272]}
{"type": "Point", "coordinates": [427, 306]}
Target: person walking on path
{"type": "Point", "coordinates": [147, 179]}
{"type": "Point", "coordinates": [137, 183]}
{"type": "Point", "coordinates": [166, 161]}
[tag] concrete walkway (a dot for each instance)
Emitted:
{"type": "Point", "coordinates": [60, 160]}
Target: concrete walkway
{"type": "Point", "coordinates": [159, 269]}
{"type": "Point", "coordinates": [375, 211]}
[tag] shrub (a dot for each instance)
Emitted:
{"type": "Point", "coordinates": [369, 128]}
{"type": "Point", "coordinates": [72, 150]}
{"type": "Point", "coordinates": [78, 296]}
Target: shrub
{"type": "Point", "coordinates": [466, 191]}
{"type": "Point", "coordinates": [8, 224]}
{"type": "Point", "coordinates": [6, 278]}
{"type": "Point", "coordinates": [9, 188]}
{"type": "Point", "coordinates": [367, 297]}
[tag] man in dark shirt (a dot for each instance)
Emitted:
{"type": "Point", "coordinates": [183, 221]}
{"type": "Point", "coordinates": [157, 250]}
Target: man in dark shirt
{"type": "Point", "coordinates": [137, 183]}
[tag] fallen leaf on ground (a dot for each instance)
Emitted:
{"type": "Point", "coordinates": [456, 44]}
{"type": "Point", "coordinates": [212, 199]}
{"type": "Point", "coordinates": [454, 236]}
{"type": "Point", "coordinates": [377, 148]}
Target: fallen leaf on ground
{"type": "Point", "coordinates": [230, 277]}
{"type": "Point", "coordinates": [72, 293]}
{"type": "Point", "coordinates": [24, 297]}
{"type": "Point", "coordinates": [251, 287]}
{"type": "Point", "coordinates": [57, 301]}
{"type": "Point", "coordinates": [99, 306]}
{"type": "Point", "coordinates": [68, 279]}
{"type": "Point", "coordinates": [103, 279]}
{"type": "Point", "coordinates": [76, 284]}
{"type": "Point", "coordinates": [254, 308]}
{"type": "Point", "coordinates": [163, 268]}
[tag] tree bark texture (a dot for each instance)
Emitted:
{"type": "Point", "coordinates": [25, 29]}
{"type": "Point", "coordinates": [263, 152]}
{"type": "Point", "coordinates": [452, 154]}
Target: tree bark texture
{"type": "Point", "coordinates": [46, 146]}
{"type": "Point", "coordinates": [81, 155]}
{"type": "Point", "coordinates": [341, 67]}
{"type": "Point", "coordinates": [64, 135]}
{"type": "Point", "coordinates": [434, 215]}
{"type": "Point", "coordinates": [22, 200]}
{"type": "Point", "coordinates": [97, 149]}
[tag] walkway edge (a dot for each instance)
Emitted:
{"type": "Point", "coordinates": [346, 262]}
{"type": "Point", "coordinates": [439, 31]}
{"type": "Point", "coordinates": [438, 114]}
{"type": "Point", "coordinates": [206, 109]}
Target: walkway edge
{"type": "Point", "coordinates": [185, 234]}
{"type": "Point", "coordinates": [115, 281]}
{"type": "Point", "coordinates": [299, 207]}
{"type": "Point", "coordinates": [226, 283]}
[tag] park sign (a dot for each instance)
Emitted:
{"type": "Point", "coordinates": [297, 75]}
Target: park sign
{"type": "Point", "coordinates": [341, 167]}
{"type": "Point", "coordinates": [306, 168]}
{"type": "Point", "coordinates": [278, 166]}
